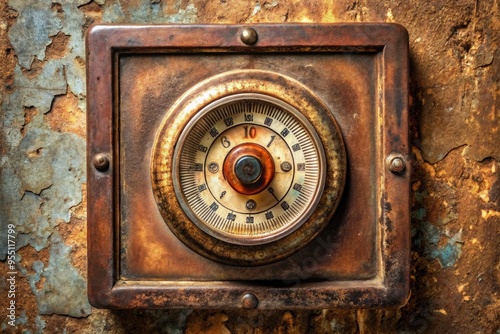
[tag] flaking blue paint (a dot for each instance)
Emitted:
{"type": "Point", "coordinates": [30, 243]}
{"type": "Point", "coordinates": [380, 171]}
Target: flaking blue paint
{"type": "Point", "coordinates": [42, 171]}
{"type": "Point", "coordinates": [63, 291]}
{"type": "Point", "coordinates": [448, 254]}
{"type": "Point", "coordinates": [428, 236]}
{"type": "Point", "coordinates": [148, 11]}
{"type": "Point", "coordinates": [31, 32]}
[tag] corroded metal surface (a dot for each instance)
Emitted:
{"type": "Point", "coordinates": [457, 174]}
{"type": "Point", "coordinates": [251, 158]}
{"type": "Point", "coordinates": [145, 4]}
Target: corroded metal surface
{"type": "Point", "coordinates": [361, 258]}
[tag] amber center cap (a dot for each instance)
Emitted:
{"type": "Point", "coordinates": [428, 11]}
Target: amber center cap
{"type": "Point", "coordinates": [248, 168]}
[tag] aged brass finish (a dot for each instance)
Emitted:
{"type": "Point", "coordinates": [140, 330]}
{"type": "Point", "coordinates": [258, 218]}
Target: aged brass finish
{"type": "Point", "coordinates": [222, 218]}
{"type": "Point", "coordinates": [146, 83]}
{"type": "Point", "coordinates": [248, 36]}
{"type": "Point", "coordinates": [101, 162]}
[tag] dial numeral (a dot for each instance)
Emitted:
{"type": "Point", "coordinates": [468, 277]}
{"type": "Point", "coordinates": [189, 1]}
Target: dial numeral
{"type": "Point", "coordinates": [297, 187]}
{"type": "Point", "coordinates": [296, 147]}
{"type": "Point", "coordinates": [196, 167]}
{"type": "Point", "coordinates": [268, 121]}
{"type": "Point", "coordinates": [250, 219]}
{"type": "Point", "coordinates": [214, 206]}
{"type": "Point", "coordinates": [202, 187]}
{"type": "Point", "coordinates": [269, 215]}
{"type": "Point", "coordinates": [285, 132]}
{"type": "Point", "coordinates": [301, 167]}
{"type": "Point", "coordinates": [285, 205]}
{"type": "Point", "coordinates": [250, 132]}
{"type": "Point", "coordinates": [225, 142]}
{"type": "Point", "coordinates": [214, 132]}
{"type": "Point", "coordinates": [202, 148]}
{"type": "Point", "coordinates": [231, 217]}
{"type": "Point", "coordinates": [229, 121]}
{"type": "Point", "coordinates": [271, 141]}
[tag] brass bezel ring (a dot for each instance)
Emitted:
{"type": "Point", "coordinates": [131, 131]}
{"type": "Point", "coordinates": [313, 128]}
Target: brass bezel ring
{"type": "Point", "coordinates": [276, 86]}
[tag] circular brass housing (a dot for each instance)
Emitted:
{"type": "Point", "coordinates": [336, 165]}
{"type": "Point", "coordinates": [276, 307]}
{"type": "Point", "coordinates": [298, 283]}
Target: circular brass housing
{"type": "Point", "coordinates": [182, 164]}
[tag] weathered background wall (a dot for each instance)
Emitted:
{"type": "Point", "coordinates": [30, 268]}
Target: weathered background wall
{"type": "Point", "coordinates": [455, 112]}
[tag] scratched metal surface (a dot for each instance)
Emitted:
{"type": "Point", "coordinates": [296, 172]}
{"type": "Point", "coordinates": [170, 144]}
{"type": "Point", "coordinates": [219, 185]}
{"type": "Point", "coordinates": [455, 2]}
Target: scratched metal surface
{"type": "Point", "coordinates": [151, 84]}
{"type": "Point", "coordinates": [377, 218]}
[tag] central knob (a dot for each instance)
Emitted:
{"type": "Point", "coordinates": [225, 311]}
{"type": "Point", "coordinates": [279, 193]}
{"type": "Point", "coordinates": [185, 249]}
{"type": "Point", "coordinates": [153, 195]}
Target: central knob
{"type": "Point", "coordinates": [248, 169]}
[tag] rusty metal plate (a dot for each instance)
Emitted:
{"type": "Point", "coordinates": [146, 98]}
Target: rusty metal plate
{"type": "Point", "coordinates": [359, 258]}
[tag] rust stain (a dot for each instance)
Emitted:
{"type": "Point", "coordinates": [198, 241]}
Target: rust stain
{"type": "Point", "coordinates": [35, 69]}
{"type": "Point", "coordinates": [29, 114]}
{"type": "Point", "coordinates": [211, 323]}
{"type": "Point", "coordinates": [59, 46]}
{"type": "Point", "coordinates": [93, 14]}
{"type": "Point", "coordinates": [66, 115]}
{"type": "Point", "coordinates": [74, 233]}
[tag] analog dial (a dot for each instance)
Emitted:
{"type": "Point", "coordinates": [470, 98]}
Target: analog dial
{"type": "Point", "coordinates": [239, 168]}
{"type": "Point", "coordinates": [248, 169]}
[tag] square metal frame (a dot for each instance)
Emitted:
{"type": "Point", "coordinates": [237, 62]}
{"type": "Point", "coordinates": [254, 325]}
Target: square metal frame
{"type": "Point", "coordinates": [104, 45]}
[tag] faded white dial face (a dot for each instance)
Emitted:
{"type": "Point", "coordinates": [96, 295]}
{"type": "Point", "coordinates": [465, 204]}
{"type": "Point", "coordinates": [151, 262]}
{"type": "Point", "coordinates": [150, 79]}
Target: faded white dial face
{"type": "Point", "coordinates": [249, 169]}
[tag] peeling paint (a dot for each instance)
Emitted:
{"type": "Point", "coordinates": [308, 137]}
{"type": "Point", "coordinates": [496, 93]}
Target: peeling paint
{"type": "Point", "coordinates": [40, 324]}
{"type": "Point", "coordinates": [73, 20]}
{"type": "Point", "coordinates": [173, 323]}
{"type": "Point", "coordinates": [256, 9]}
{"type": "Point", "coordinates": [37, 193]}
{"type": "Point", "coordinates": [449, 253]}
{"type": "Point", "coordinates": [64, 289]}
{"type": "Point", "coordinates": [39, 92]}
{"type": "Point", "coordinates": [30, 35]}
{"type": "Point", "coordinates": [149, 12]}
{"type": "Point", "coordinates": [430, 237]}
{"type": "Point", "coordinates": [48, 184]}
{"type": "Point", "coordinates": [23, 318]}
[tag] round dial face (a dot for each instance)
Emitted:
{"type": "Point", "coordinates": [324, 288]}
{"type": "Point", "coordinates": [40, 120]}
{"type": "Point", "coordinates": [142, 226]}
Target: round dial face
{"type": "Point", "coordinates": [248, 169]}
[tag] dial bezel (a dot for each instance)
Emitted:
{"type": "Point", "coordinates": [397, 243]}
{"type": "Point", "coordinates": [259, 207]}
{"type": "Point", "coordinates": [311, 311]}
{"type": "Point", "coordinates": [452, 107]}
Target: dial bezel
{"type": "Point", "coordinates": [267, 83]}
{"type": "Point", "coordinates": [269, 236]}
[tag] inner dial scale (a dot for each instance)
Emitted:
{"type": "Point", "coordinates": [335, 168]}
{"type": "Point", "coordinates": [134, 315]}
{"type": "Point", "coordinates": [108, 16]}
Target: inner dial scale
{"type": "Point", "coordinates": [248, 169]}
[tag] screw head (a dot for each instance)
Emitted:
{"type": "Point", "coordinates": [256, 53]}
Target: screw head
{"type": "Point", "coordinates": [101, 162]}
{"type": "Point", "coordinates": [248, 169]}
{"type": "Point", "coordinates": [286, 166]}
{"type": "Point", "coordinates": [248, 36]}
{"type": "Point", "coordinates": [213, 167]}
{"type": "Point", "coordinates": [251, 204]}
{"type": "Point", "coordinates": [396, 163]}
{"type": "Point", "coordinates": [249, 301]}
